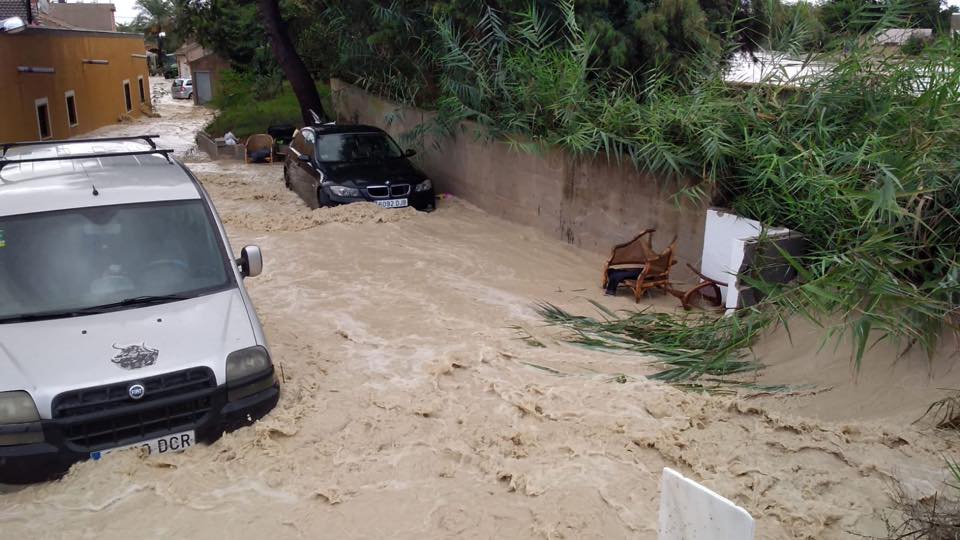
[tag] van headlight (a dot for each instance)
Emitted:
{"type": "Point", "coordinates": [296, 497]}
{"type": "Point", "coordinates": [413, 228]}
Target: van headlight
{"type": "Point", "coordinates": [344, 191]}
{"type": "Point", "coordinates": [19, 419]}
{"type": "Point", "coordinates": [17, 408]}
{"type": "Point", "coordinates": [247, 362]}
{"type": "Point", "coordinates": [249, 371]}
{"type": "Point", "coordinates": [426, 185]}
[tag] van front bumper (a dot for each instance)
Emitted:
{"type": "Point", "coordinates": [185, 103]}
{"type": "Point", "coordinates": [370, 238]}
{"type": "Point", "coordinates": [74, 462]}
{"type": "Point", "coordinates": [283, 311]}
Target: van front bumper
{"type": "Point", "coordinates": [52, 458]}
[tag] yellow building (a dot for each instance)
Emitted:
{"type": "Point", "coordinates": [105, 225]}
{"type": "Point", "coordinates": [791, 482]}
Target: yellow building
{"type": "Point", "coordinates": [58, 83]}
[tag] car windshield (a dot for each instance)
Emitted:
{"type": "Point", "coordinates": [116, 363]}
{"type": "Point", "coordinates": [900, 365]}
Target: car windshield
{"type": "Point", "coordinates": [84, 260]}
{"type": "Point", "coordinates": [177, 83]}
{"type": "Point", "coordinates": [346, 147]}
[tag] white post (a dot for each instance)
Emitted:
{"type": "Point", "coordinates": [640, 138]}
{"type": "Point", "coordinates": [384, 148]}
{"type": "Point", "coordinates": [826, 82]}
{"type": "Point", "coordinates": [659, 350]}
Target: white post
{"type": "Point", "coordinates": [689, 511]}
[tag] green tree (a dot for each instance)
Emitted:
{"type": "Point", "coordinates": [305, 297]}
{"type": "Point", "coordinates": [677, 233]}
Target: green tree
{"type": "Point", "coordinates": [238, 28]}
{"type": "Point", "coordinates": [675, 37]}
{"type": "Point", "coordinates": [230, 28]}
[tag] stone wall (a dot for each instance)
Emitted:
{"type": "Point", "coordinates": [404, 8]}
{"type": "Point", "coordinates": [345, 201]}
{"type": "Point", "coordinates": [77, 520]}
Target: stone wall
{"type": "Point", "coordinates": [587, 202]}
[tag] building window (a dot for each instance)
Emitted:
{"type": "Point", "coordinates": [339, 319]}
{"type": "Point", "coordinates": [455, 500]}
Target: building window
{"type": "Point", "coordinates": [126, 95]}
{"type": "Point", "coordinates": [43, 117]}
{"type": "Point", "coordinates": [71, 99]}
{"type": "Point", "coordinates": [143, 97]}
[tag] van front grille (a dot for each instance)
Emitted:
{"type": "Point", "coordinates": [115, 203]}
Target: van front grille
{"type": "Point", "coordinates": [105, 416]}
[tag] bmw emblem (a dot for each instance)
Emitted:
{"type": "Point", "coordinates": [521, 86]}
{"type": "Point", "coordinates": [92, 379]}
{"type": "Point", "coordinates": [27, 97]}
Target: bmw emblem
{"type": "Point", "coordinates": [136, 391]}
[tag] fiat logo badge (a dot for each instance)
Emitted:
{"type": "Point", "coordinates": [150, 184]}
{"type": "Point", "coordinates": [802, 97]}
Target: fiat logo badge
{"type": "Point", "coordinates": [136, 391]}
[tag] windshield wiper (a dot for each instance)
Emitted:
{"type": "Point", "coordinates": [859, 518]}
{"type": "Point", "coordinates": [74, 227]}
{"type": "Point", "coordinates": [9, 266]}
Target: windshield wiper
{"type": "Point", "coordinates": [92, 310]}
{"type": "Point", "coordinates": [135, 301]}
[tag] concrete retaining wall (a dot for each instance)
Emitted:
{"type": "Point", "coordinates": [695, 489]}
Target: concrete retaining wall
{"type": "Point", "coordinates": [217, 149]}
{"type": "Point", "coordinates": [590, 203]}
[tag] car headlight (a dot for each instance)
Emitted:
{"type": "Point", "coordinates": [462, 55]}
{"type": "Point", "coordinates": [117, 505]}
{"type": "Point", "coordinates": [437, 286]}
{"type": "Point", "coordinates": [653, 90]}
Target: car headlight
{"type": "Point", "coordinates": [247, 362]}
{"type": "Point", "coordinates": [344, 191]}
{"type": "Point", "coordinates": [17, 408]}
{"type": "Point", "coordinates": [426, 185]}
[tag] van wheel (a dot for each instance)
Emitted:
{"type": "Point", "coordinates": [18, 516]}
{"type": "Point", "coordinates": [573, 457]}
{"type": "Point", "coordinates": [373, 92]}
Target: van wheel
{"type": "Point", "coordinates": [286, 180]}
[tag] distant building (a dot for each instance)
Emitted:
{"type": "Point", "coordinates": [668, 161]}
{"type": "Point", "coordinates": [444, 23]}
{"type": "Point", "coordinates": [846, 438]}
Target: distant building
{"type": "Point", "coordinates": [84, 16]}
{"type": "Point", "coordinates": [78, 16]}
{"type": "Point", "coordinates": [900, 36]}
{"type": "Point", "coordinates": [188, 52]}
{"type": "Point", "coordinates": [206, 76]}
{"type": "Point", "coordinates": [58, 81]}
{"type": "Point", "coordinates": [774, 69]}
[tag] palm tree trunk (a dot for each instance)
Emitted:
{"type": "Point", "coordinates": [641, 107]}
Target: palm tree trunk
{"type": "Point", "coordinates": [290, 62]}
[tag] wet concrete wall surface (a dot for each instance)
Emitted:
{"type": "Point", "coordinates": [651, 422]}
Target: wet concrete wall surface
{"type": "Point", "coordinates": [589, 202]}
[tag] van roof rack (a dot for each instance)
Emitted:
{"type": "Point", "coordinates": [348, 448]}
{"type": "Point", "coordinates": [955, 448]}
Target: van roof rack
{"type": "Point", "coordinates": [146, 138]}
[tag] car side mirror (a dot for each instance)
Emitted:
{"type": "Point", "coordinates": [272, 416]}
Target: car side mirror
{"type": "Point", "coordinates": [409, 152]}
{"type": "Point", "coordinates": [304, 158]}
{"type": "Point", "coordinates": [250, 261]}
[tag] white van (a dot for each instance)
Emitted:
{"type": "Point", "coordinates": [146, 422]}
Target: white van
{"type": "Point", "coordinates": [123, 316]}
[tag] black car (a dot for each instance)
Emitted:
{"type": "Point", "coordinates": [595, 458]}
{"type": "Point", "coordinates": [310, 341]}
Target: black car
{"type": "Point", "coordinates": [334, 164]}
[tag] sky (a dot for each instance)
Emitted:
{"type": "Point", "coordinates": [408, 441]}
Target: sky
{"type": "Point", "coordinates": [127, 10]}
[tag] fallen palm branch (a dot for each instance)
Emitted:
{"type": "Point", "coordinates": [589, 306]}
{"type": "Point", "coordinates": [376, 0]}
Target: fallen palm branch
{"type": "Point", "coordinates": [698, 351]}
{"type": "Point", "coordinates": [934, 517]}
{"type": "Point", "coordinates": [944, 412]}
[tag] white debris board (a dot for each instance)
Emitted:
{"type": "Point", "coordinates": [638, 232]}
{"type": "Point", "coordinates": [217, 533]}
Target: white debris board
{"type": "Point", "coordinates": [689, 511]}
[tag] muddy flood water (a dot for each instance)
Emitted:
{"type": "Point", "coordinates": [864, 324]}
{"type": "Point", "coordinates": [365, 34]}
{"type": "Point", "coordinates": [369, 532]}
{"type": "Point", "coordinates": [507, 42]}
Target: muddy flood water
{"type": "Point", "coordinates": [412, 408]}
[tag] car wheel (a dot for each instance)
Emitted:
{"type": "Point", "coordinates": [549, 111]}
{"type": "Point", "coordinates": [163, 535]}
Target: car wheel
{"type": "Point", "coordinates": [286, 179]}
{"type": "Point", "coordinates": [322, 199]}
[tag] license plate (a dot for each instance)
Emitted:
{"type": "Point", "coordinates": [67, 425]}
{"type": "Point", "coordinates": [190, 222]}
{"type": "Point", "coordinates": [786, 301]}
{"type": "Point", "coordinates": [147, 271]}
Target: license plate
{"type": "Point", "coordinates": [178, 442]}
{"type": "Point", "coordinates": [393, 203]}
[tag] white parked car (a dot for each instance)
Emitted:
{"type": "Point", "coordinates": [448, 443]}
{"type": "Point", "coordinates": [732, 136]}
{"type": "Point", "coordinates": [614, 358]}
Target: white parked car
{"type": "Point", "coordinates": [182, 88]}
{"type": "Point", "coordinates": [123, 316]}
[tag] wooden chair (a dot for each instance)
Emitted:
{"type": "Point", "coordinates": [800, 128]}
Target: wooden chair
{"type": "Point", "coordinates": [706, 284]}
{"type": "Point", "coordinates": [634, 253]}
{"type": "Point", "coordinates": [258, 142]}
{"type": "Point", "coordinates": [655, 273]}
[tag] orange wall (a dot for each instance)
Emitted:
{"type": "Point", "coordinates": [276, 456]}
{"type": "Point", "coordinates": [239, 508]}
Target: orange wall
{"type": "Point", "coordinates": [98, 88]}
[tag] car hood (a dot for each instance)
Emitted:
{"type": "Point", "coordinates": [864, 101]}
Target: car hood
{"type": "Point", "coordinates": [374, 172]}
{"type": "Point", "coordinates": [48, 357]}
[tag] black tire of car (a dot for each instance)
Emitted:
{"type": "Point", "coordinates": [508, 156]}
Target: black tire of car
{"type": "Point", "coordinates": [286, 179]}
{"type": "Point", "coordinates": [322, 199]}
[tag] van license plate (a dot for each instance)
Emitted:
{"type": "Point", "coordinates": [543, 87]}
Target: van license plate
{"type": "Point", "coordinates": [393, 203]}
{"type": "Point", "coordinates": [178, 442]}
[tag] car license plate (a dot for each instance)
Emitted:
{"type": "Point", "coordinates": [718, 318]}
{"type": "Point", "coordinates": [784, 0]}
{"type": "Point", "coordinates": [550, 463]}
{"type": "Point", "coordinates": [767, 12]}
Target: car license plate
{"type": "Point", "coordinates": [393, 203]}
{"type": "Point", "coordinates": [178, 442]}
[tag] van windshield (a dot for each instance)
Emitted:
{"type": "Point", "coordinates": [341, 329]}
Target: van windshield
{"type": "Point", "coordinates": [91, 260]}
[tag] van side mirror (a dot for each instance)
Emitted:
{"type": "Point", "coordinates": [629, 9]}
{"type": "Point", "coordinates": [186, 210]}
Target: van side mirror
{"type": "Point", "coordinates": [250, 261]}
{"type": "Point", "coordinates": [409, 152]}
{"type": "Point", "coordinates": [12, 25]}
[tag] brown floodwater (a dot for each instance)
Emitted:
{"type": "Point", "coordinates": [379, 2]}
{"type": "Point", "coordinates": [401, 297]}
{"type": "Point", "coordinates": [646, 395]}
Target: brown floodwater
{"type": "Point", "coordinates": [424, 398]}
